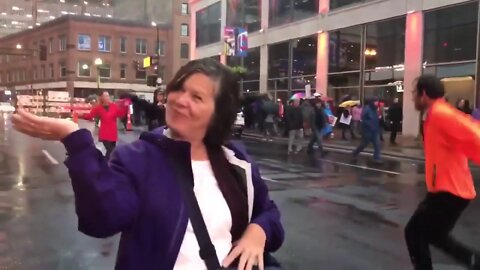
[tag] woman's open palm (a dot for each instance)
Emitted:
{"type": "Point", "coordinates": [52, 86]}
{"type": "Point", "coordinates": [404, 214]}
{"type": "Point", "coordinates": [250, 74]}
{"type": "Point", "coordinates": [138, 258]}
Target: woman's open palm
{"type": "Point", "coordinates": [43, 127]}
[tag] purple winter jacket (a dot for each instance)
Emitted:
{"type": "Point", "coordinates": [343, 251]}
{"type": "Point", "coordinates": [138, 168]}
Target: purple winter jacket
{"type": "Point", "coordinates": [136, 194]}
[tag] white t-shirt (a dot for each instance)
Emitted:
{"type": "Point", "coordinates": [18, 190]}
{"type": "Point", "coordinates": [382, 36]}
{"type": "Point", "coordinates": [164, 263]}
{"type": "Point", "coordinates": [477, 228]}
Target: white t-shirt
{"type": "Point", "coordinates": [216, 215]}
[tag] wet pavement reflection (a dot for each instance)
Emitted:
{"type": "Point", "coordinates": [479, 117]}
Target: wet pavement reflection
{"type": "Point", "coordinates": [338, 214]}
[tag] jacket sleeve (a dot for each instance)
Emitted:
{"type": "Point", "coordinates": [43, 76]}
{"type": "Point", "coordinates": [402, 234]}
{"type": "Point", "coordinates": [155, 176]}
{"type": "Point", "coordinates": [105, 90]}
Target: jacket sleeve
{"type": "Point", "coordinates": [105, 200]}
{"type": "Point", "coordinates": [461, 131]}
{"type": "Point", "coordinates": [92, 114]}
{"type": "Point", "coordinates": [266, 214]}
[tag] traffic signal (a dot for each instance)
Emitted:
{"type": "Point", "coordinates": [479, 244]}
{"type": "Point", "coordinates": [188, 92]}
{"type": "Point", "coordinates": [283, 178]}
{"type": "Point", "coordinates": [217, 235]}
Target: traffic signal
{"type": "Point", "coordinates": [43, 52]}
{"type": "Point", "coordinates": [152, 80]}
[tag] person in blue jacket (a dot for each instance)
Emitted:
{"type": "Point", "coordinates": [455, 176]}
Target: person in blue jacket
{"type": "Point", "coordinates": [370, 130]}
{"type": "Point", "coordinates": [137, 192]}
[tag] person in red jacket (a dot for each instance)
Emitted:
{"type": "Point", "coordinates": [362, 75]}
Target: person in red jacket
{"type": "Point", "coordinates": [108, 112]}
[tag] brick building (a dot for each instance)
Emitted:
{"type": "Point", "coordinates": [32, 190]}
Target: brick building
{"type": "Point", "coordinates": [73, 43]}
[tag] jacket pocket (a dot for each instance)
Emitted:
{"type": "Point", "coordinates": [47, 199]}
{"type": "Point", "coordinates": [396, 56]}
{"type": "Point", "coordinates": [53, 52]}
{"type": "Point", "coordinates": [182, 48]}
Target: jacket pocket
{"type": "Point", "coordinates": [434, 175]}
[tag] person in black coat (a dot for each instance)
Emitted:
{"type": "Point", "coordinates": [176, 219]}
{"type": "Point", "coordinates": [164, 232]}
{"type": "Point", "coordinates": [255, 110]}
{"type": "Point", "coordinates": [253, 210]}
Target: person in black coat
{"type": "Point", "coordinates": [294, 121]}
{"type": "Point", "coordinates": [154, 112]}
{"type": "Point", "coordinates": [395, 115]}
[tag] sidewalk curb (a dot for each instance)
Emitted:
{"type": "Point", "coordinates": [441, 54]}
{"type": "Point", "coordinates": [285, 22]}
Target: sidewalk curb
{"type": "Point", "coordinates": [342, 149]}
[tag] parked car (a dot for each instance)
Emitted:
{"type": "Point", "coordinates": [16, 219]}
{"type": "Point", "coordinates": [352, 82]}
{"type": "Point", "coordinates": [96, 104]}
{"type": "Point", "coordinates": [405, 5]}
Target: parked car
{"type": "Point", "coordinates": [239, 124]}
{"type": "Point", "coordinates": [6, 107]}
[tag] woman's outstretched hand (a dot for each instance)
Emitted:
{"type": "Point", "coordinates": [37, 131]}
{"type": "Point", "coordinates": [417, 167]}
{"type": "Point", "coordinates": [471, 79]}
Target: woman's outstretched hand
{"type": "Point", "coordinates": [43, 127]}
{"type": "Point", "coordinates": [249, 248]}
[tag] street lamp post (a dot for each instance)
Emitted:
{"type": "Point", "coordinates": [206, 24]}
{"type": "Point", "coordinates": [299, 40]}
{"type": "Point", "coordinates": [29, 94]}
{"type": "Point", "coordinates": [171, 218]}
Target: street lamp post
{"type": "Point", "coordinates": [98, 63]}
{"type": "Point", "coordinates": [154, 24]}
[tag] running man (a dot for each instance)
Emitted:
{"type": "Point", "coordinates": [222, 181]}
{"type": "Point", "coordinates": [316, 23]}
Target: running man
{"type": "Point", "coordinates": [451, 139]}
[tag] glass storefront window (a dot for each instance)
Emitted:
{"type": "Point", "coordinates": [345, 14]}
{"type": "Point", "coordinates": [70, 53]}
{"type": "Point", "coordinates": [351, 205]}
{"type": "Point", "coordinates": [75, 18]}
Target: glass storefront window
{"type": "Point", "coordinates": [344, 79]}
{"type": "Point", "coordinates": [385, 93]}
{"type": "Point", "coordinates": [334, 4]}
{"type": "Point", "coordinates": [250, 86]}
{"type": "Point", "coordinates": [286, 11]}
{"type": "Point", "coordinates": [344, 49]}
{"type": "Point", "coordinates": [450, 34]}
{"type": "Point", "coordinates": [244, 13]}
{"type": "Point", "coordinates": [458, 79]}
{"type": "Point", "coordinates": [338, 93]}
{"type": "Point", "coordinates": [299, 83]}
{"type": "Point", "coordinates": [278, 84]}
{"type": "Point", "coordinates": [251, 62]}
{"type": "Point", "coordinates": [208, 25]}
{"type": "Point", "coordinates": [304, 53]}
{"type": "Point", "coordinates": [385, 43]}
{"type": "Point", "coordinates": [278, 58]}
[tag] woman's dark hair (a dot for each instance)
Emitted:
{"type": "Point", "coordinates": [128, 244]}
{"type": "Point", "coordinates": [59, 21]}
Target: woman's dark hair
{"type": "Point", "coordinates": [227, 98]}
{"type": "Point", "coordinates": [431, 86]}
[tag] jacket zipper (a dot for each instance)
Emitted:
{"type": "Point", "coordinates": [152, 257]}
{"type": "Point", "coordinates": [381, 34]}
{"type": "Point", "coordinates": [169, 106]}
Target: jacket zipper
{"type": "Point", "coordinates": [434, 177]}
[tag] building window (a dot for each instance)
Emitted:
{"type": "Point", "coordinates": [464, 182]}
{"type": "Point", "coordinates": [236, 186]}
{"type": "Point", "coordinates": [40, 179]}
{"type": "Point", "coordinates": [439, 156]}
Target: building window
{"type": "Point", "coordinates": [208, 25]}
{"type": "Point", "coordinates": [184, 10]}
{"type": "Point", "coordinates": [52, 71]}
{"type": "Point", "coordinates": [84, 43]}
{"type": "Point", "coordinates": [104, 44]}
{"type": "Point", "coordinates": [84, 69]}
{"type": "Point", "coordinates": [184, 30]}
{"type": "Point", "coordinates": [43, 73]}
{"type": "Point", "coordinates": [35, 73]}
{"type": "Point", "coordinates": [141, 46]}
{"type": "Point", "coordinates": [160, 50]}
{"type": "Point", "coordinates": [123, 44]}
{"type": "Point", "coordinates": [246, 13]}
{"type": "Point", "coordinates": [344, 59]}
{"type": "Point", "coordinates": [450, 34]}
{"type": "Point", "coordinates": [450, 42]}
{"type": "Point", "coordinates": [278, 66]}
{"type": "Point", "coordinates": [50, 45]}
{"type": "Point", "coordinates": [24, 75]}
{"type": "Point", "coordinates": [35, 49]}
{"type": "Point", "coordinates": [184, 51]}
{"type": "Point", "coordinates": [141, 74]}
{"type": "Point", "coordinates": [123, 71]}
{"type": "Point", "coordinates": [286, 11]}
{"type": "Point", "coordinates": [62, 43]}
{"type": "Point", "coordinates": [104, 71]}
{"type": "Point", "coordinates": [63, 70]}
{"type": "Point", "coordinates": [384, 56]}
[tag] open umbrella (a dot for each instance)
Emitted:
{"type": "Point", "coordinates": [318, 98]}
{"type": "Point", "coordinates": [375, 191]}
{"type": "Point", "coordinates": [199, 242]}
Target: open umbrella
{"type": "Point", "coordinates": [349, 103]}
{"type": "Point", "coordinates": [298, 95]}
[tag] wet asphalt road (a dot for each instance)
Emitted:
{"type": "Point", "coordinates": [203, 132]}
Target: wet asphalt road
{"type": "Point", "coordinates": [337, 214]}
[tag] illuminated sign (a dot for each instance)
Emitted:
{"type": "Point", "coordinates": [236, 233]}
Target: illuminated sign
{"type": "Point", "coordinates": [147, 61]}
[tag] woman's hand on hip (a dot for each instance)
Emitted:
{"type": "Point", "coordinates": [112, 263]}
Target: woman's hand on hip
{"type": "Point", "coordinates": [249, 249]}
{"type": "Point", "coordinates": [43, 127]}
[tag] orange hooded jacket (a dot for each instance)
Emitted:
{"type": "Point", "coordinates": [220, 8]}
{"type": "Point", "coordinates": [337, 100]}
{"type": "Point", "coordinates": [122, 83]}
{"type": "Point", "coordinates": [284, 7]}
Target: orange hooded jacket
{"type": "Point", "coordinates": [451, 139]}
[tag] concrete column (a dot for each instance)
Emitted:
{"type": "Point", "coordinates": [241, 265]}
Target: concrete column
{"type": "Point", "coordinates": [193, 31]}
{"type": "Point", "coordinates": [223, 57]}
{"type": "Point", "coordinates": [322, 51]}
{"type": "Point", "coordinates": [263, 68]}
{"type": "Point", "coordinates": [413, 69]}
{"type": "Point", "coordinates": [265, 6]}
{"type": "Point", "coordinates": [322, 63]}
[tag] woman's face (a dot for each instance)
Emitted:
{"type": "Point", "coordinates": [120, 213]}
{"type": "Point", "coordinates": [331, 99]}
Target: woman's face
{"type": "Point", "coordinates": [190, 109]}
{"type": "Point", "coordinates": [105, 97]}
{"type": "Point", "coordinates": [160, 97]}
{"type": "Point", "coordinates": [461, 103]}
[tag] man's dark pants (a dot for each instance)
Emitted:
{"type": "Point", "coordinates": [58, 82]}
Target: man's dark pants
{"type": "Point", "coordinates": [432, 223]}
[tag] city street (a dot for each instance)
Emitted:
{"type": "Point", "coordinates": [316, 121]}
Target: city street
{"type": "Point", "coordinates": [338, 214]}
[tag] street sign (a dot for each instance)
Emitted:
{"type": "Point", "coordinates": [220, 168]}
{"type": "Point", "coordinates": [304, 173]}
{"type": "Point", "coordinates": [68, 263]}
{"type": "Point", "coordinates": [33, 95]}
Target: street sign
{"type": "Point", "coordinates": [147, 61]}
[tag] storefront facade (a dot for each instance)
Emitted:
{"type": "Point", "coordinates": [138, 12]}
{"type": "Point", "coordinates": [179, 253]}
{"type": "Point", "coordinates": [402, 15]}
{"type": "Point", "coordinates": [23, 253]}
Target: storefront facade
{"type": "Point", "coordinates": [360, 48]}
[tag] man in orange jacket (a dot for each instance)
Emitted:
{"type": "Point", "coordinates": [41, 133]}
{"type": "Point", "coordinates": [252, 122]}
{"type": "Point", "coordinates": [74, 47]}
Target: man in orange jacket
{"type": "Point", "coordinates": [451, 139]}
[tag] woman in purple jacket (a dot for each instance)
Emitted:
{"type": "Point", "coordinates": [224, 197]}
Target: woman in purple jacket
{"type": "Point", "coordinates": [137, 192]}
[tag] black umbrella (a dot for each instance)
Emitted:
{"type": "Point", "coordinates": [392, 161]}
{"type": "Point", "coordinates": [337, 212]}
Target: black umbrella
{"type": "Point", "coordinates": [270, 107]}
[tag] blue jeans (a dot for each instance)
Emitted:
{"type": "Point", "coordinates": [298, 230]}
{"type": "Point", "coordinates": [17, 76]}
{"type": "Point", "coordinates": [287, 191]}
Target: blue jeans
{"type": "Point", "coordinates": [316, 138]}
{"type": "Point", "coordinates": [366, 139]}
